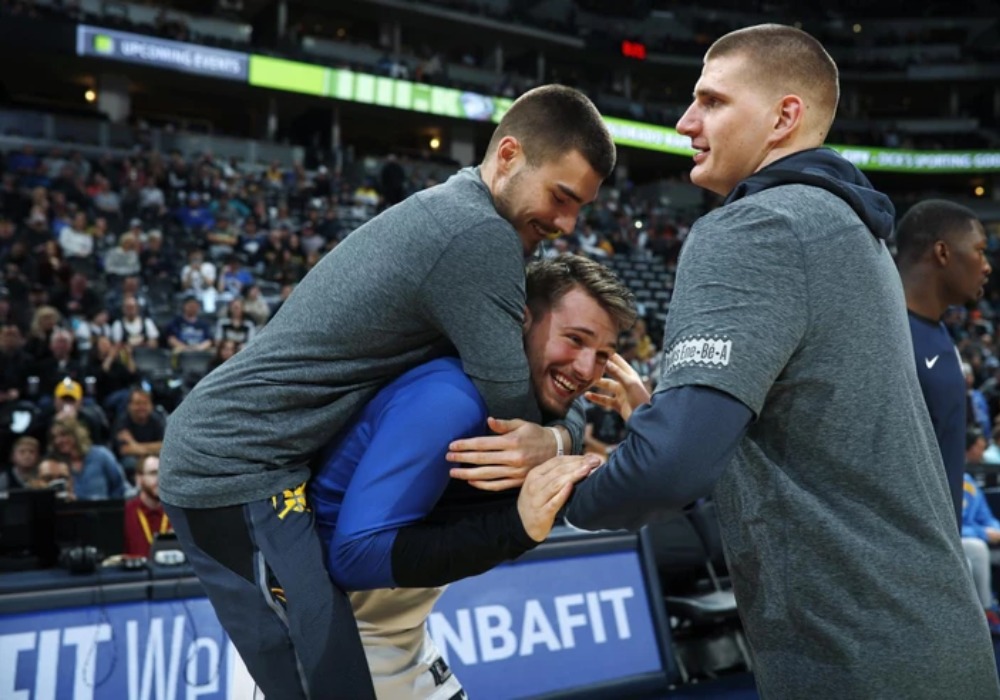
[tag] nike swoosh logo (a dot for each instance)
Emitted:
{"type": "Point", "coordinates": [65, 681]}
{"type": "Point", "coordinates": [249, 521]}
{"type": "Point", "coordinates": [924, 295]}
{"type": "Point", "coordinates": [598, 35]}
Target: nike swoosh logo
{"type": "Point", "coordinates": [931, 361]}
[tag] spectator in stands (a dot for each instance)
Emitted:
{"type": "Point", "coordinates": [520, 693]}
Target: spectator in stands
{"type": "Point", "coordinates": [980, 531]}
{"type": "Point", "coordinates": [107, 202]}
{"type": "Point", "coordinates": [978, 413]}
{"type": "Point", "coordinates": [252, 242]}
{"type": "Point", "coordinates": [95, 472]}
{"type": "Point", "coordinates": [138, 431]}
{"type": "Point", "coordinates": [196, 217]}
{"type": "Point", "coordinates": [198, 278]}
{"type": "Point", "coordinates": [54, 472]}
{"type": "Point", "coordinates": [74, 240]}
{"type": "Point", "coordinates": [130, 286]}
{"type": "Point", "coordinates": [941, 258]}
{"type": "Point", "coordinates": [69, 401]}
{"type": "Point", "coordinates": [43, 324]}
{"type": "Point", "coordinates": [79, 300]}
{"type": "Point", "coordinates": [222, 238]}
{"type": "Point", "coordinates": [7, 237]}
{"type": "Point", "coordinates": [112, 365]}
{"type": "Point", "coordinates": [458, 278]}
{"type": "Point", "coordinates": [392, 180]}
{"type": "Point", "coordinates": [36, 232]}
{"type": "Point", "coordinates": [223, 351]}
{"type": "Point", "coordinates": [189, 331]}
{"type": "Point", "coordinates": [255, 305]}
{"type": "Point", "coordinates": [89, 329]}
{"type": "Point", "coordinates": [14, 364]}
{"type": "Point", "coordinates": [59, 364]}
{"type": "Point", "coordinates": [144, 516]}
{"type": "Point", "coordinates": [312, 241]}
{"type": "Point", "coordinates": [52, 269]}
{"type": "Point", "coordinates": [593, 244]}
{"type": "Point", "coordinates": [100, 233]}
{"type": "Point", "coordinates": [236, 326]}
{"type": "Point", "coordinates": [156, 262]}
{"type": "Point", "coordinates": [765, 402]}
{"type": "Point", "coordinates": [233, 278]}
{"type": "Point", "coordinates": [23, 467]}
{"type": "Point", "coordinates": [134, 329]}
{"type": "Point", "coordinates": [123, 259]}
{"type": "Point", "coordinates": [294, 261]}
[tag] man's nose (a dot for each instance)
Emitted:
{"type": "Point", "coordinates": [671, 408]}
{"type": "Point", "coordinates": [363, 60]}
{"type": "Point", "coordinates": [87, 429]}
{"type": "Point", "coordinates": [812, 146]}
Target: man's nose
{"type": "Point", "coordinates": [565, 223]}
{"type": "Point", "coordinates": [686, 124]}
{"type": "Point", "coordinates": [585, 365]}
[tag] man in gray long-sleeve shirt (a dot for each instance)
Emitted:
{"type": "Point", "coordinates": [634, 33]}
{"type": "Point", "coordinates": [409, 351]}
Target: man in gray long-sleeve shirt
{"type": "Point", "coordinates": [789, 392]}
{"type": "Point", "coordinates": [442, 272]}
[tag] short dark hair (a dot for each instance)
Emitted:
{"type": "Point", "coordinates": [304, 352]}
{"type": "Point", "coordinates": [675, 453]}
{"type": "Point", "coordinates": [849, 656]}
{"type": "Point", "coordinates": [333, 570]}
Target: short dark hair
{"type": "Point", "coordinates": [550, 280]}
{"type": "Point", "coordinates": [553, 120]}
{"type": "Point", "coordinates": [789, 60]}
{"type": "Point", "coordinates": [928, 222]}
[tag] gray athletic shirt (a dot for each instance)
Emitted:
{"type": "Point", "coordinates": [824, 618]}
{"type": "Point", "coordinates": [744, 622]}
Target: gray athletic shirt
{"type": "Point", "coordinates": [440, 266]}
{"type": "Point", "coordinates": [836, 518]}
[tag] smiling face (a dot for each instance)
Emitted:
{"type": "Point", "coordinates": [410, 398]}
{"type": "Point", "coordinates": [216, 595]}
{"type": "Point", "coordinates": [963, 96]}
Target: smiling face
{"type": "Point", "coordinates": [730, 122]}
{"type": "Point", "coordinates": [568, 346]}
{"type": "Point", "coordinates": [542, 201]}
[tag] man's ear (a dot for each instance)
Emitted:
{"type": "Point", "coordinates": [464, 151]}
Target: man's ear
{"type": "Point", "coordinates": [508, 152]}
{"type": "Point", "coordinates": [526, 326]}
{"type": "Point", "coordinates": [941, 253]}
{"type": "Point", "coordinates": [789, 115]}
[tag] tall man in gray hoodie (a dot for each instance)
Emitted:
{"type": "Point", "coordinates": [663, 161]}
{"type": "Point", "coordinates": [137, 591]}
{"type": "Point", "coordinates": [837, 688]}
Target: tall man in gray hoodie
{"type": "Point", "coordinates": [788, 391]}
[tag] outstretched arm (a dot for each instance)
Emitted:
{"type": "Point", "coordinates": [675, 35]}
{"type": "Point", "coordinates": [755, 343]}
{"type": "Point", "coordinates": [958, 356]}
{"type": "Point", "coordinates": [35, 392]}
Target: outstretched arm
{"type": "Point", "coordinates": [676, 449]}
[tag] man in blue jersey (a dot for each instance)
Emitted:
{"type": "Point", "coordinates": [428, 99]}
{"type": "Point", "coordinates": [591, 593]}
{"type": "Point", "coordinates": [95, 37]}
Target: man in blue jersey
{"type": "Point", "coordinates": [941, 255]}
{"type": "Point", "coordinates": [385, 472]}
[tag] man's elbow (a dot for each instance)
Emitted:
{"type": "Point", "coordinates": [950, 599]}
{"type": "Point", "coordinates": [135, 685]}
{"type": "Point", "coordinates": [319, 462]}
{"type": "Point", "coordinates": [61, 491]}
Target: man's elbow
{"type": "Point", "coordinates": [346, 574]}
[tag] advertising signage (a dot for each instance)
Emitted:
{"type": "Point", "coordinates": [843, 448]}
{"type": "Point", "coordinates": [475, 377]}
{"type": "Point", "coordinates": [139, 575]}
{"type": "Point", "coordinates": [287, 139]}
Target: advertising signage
{"type": "Point", "coordinates": [161, 53]}
{"type": "Point", "coordinates": [365, 88]}
{"type": "Point", "coordinates": [903, 161]}
{"type": "Point", "coordinates": [351, 86]}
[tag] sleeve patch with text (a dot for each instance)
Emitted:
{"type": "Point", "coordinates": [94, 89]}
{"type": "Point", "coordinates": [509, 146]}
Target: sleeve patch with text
{"type": "Point", "coordinates": [713, 352]}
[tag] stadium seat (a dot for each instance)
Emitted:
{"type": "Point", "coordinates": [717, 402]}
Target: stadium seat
{"type": "Point", "coordinates": [705, 624]}
{"type": "Point", "coordinates": [153, 364]}
{"type": "Point", "coordinates": [193, 365]}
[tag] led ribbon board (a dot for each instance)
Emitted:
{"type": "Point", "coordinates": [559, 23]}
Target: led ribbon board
{"type": "Point", "coordinates": [365, 88]}
{"type": "Point", "coordinates": [161, 53]}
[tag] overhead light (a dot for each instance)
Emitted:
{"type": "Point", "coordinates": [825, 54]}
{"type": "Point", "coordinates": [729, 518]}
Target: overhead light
{"type": "Point", "coordinates": [435, 143]}
{"type": "Point", "coordinates": [979, 191]}
{"type": "Point", "coordinates": [857, 28]}
{"type": "Point", "coordinates": [90, 95]}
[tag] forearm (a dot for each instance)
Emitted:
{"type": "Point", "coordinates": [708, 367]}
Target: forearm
{"type": "Point", "coordinates": [675, 450]}
{"type": "Point", "coordinates": [436, 553]}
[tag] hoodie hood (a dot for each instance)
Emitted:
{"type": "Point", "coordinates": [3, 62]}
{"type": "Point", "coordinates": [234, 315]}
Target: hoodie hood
{"type": "Point", "coordinates": [827, 169]}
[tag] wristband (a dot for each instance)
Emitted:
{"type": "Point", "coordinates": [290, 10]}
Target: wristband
{"type": "Point", "coordinates": [559, 441]}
